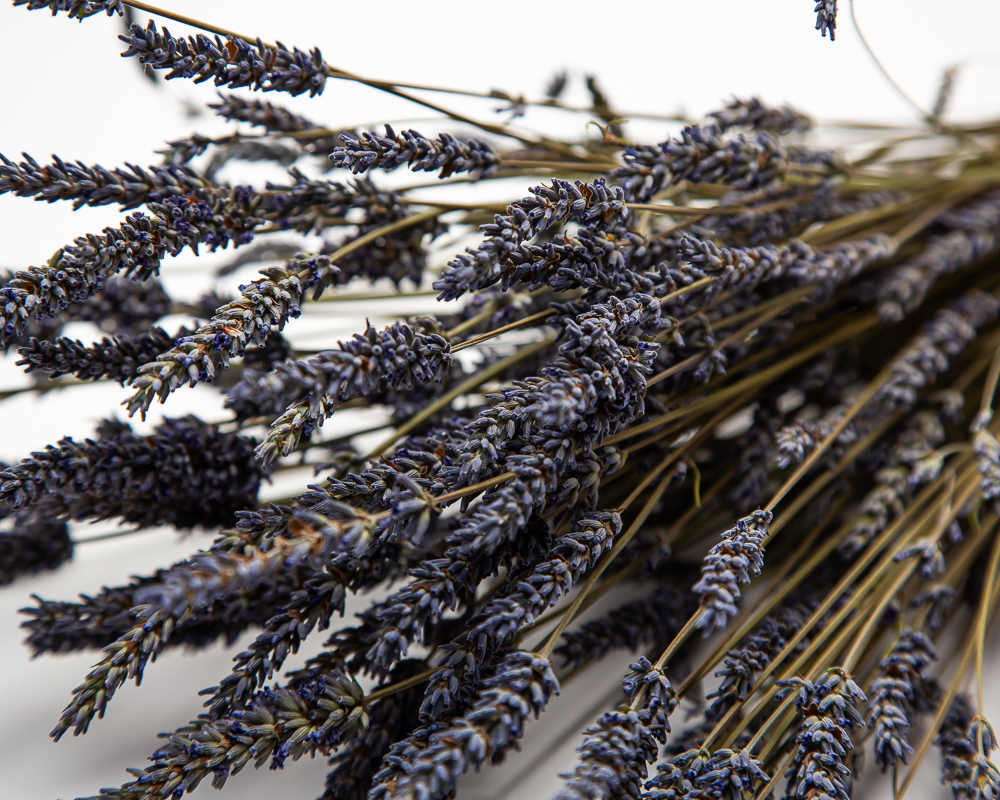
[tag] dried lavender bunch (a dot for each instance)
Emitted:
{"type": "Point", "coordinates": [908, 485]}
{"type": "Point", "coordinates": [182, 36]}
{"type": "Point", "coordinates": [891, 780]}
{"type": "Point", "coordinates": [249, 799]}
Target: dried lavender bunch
{"type": "Point", "coordinates": [644, 350]}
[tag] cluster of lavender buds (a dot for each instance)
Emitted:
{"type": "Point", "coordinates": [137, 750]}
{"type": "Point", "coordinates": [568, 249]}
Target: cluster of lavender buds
{"type": "Point", "coordinates": [966, 741]}
{"type": "Point", "coordinates": [900, 691]}
{"type": "Point", "coordinates": [829, 712]}
{"type": "Point", "coordinates": [234, 63]}
{"type": "Point", "coordinates": [445, 155]}
{"type": "Point", "coordinates": [649, 359]}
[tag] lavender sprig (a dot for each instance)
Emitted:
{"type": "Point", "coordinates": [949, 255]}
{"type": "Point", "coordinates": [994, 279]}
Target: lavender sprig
{"type": "Point", "coordinates": [900, 691]}
{"type": "Point", "coordinates": [702, 154]}
{"type": "Point", "coordinates": [824, 738]}
{"type": "Point", "coordinates": [185, 474]}
{"type": "Point", "coordinates": [492, 628]}
{"type": "Point", "coordinates": [446, 154]}
{"type": "Point", "coordinates": [826, 17]}
{"type": "Point", "coordinates": [96, 186]}
{"type": "Point", "coordinates": [234, 63]}
{"type": "Point", "coordinates": [278, 724]}
{"type": "Point", "coordinates": [731, 562]}
{"type": "Point", "coordinates": [754, 114]}
{"type": "Point", "coordinates": [520, 686]}
{"type": "Point", "coordinates": [618, 747]}
{"type": "Point", "coordinates": [594, 205]}
{"type": "Point", "coordinates": [265, 304]}
{"type": "Point", "coordinates": [33, 541]}
{"type": "Point", "coordinates": [81, 9]}
{"type": "Point", "coordinates": [117, 359]}
{"type": "Point", "coordinates": [398, 356]}
{"type": "Point", "coordinates": [964, 768]}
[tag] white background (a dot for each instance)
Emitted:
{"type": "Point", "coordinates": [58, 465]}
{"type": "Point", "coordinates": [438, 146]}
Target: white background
{"type": "Point", "coordinates": [65, 90]}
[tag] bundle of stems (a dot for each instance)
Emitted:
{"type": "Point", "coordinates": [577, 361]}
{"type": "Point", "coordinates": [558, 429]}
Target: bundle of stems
{"type": "Point", "coordinates": [656, 363]}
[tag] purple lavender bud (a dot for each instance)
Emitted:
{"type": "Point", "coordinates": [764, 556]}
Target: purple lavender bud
{"type": "Point", "coordinates": [826, 17]}
{"type": "Point", "coordinates": [233, 63]}
{"type": "Point", "coordinates": [446, 154]}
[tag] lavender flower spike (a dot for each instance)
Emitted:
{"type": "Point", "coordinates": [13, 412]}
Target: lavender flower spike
{"type": "Point", "coordinates": [445, 154]}
{"type": "Point", "coordinates": [521, 685]}
{"type": "Point", "coordinates": [77, 272]}
{"type": "Point", "coordinates": [96, 186]}
{"type": "Point", "coordinates": [269, 302]}
{"type": "Point", "coordinates": [399, 356]}
{"type": "Point", "coordinates": [233, 63]}
{"type": "Point", "coordinates": [594, 205]}
{"type": "Point", "coordinates": [281, 723]}
{"type": "Point", "coordinates": [81, 9]}
{"type": "Point", "coordinates": [738, 556]}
